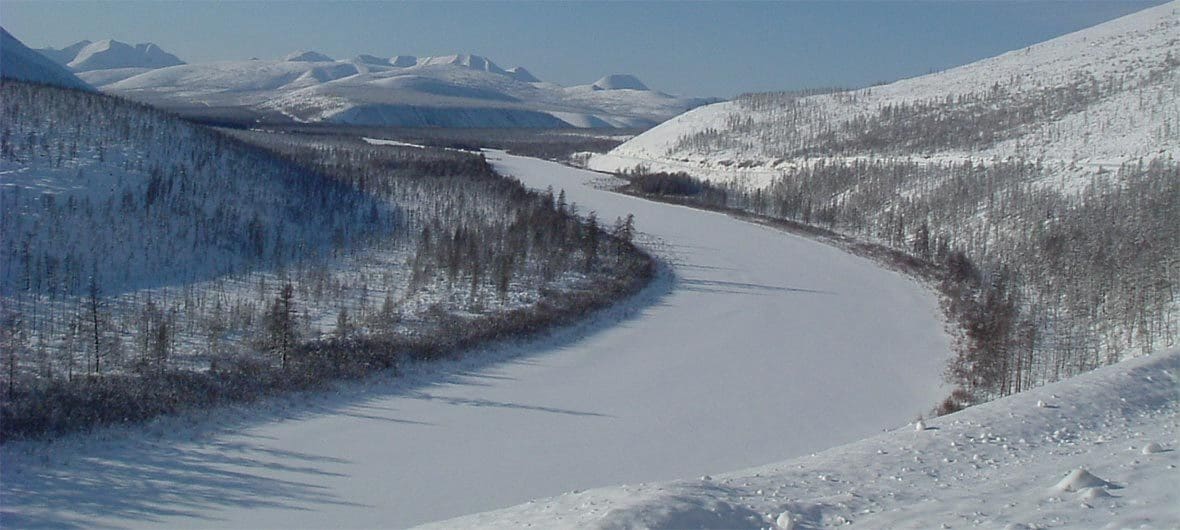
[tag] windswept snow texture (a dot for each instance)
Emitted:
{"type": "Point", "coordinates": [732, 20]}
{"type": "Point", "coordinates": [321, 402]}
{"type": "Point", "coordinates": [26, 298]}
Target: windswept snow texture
{"type": "Point", "coordinates": [1135, 59]}
{"type": "Point", "coordinates": [447, 91]}
{"type": "Point", "coordinates": [1076, 462]}
{"type": "Point", "coordinates": [18, 61]}
{"type": "Point", "coordinates": [757, 346]}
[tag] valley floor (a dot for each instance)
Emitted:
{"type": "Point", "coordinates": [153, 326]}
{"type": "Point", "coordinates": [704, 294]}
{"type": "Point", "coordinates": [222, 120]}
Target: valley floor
{"type": "Point", "coordinates": [753, 346]}
{"type": "Point", "coordinates": [1095, 451]}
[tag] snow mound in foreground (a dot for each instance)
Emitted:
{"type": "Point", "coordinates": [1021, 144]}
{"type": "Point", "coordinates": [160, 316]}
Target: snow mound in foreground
{"type": "Point", "coordinates": [996, 465]}
{"type": "Point", "coordinates": [1080, 479]}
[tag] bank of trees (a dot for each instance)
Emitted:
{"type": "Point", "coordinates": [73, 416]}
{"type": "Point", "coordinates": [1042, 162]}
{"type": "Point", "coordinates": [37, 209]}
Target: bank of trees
{"type": "Point", "coordinates": [226, 266]}
{"type": "Point", "coordinates": [1046, 283]}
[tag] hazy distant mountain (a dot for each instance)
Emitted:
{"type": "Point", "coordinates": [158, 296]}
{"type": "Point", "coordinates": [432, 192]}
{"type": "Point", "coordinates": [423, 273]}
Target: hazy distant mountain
{"type": "Point", "coordinates": [620, 82]}
{"type": "Point", "coordinates": [460, 90]}
{"type": "Point", "coordinates": [18, 61]}
{"type": "Point", "coordinates": [64, 55]}
{"type": "Point", "coordinates": [108, 54]}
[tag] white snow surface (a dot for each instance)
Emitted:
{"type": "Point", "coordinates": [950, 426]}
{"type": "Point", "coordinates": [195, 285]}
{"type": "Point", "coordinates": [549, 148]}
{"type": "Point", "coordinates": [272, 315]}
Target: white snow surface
{"type": "Point", "coordinates": [752, 346]}
{"type": "Point", "coordinates": [1130, 124]}
{"type": "Point", "coordinates": [460, 90]}
{"type": "Point", "coordinates": [1075, 463]}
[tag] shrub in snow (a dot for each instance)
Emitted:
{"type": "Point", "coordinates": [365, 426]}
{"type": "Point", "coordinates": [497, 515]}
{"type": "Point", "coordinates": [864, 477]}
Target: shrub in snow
{"type": "Point", "coordinates": [1152, 448]}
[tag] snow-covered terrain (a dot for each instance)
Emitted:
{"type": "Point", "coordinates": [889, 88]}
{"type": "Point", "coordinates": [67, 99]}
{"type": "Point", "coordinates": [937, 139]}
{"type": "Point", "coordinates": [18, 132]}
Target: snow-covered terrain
{"type": "Point", "coordinates": [18, 61]}
{"type": "Point", "coordinates": [755, 346]}
{"type": "Point", "coordinates": [1096, 451]}
{"type": "Point", "coordinates": [110, 54]}
{"type": "Point", "coordinates": [1133, 111]}
{"type": "Point", "coordinates": [459, 90]}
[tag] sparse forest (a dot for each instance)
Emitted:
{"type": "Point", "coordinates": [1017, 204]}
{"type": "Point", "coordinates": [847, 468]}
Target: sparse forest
{"type": "Point", "coordinates": [1044, 284]}
{"type": "Point", "coordinates": [151, 265]}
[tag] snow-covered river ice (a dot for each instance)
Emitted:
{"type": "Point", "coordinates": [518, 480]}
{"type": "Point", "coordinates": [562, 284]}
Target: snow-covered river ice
{"type": "Point", "coordinates": [754, 347]}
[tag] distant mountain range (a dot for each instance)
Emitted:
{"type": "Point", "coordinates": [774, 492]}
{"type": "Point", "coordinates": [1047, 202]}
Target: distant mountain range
{"type": "Point", "coordinates": [304, 86]}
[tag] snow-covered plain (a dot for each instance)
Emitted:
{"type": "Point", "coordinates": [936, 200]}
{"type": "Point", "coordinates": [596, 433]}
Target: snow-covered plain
{"type": "Point", "coordinates": [1096, 451]}
{"type": "Point", "coordinates": [753, 346]}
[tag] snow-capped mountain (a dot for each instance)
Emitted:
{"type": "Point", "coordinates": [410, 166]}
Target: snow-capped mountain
{"type": "Point", "coordinates": [461, 90]}
{"type": "Point", "coordinates": [18, 61]}
{"type": "Point", "coordinates": [108, 54]}
{"type": "Point", "coordinates": [619, 82]}
{"type": "Point", "coordinates": [1102, 95]}
{"type": "Point", "coordinates": [63, 56]}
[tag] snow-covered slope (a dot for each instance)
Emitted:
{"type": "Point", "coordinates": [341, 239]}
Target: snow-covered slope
{"type": "Point", "coordinates": [759, 346]}
{"type": "Point", "coordinates": [18, 61]}
{"type": "Point", "coordinates": [64, 55]}
{"type": "Point", "coordinates": [1096, 451]}
{"type": "Point", "coordinates": [454, 90]}
{"type": "Point", "coordinates": [1105, 94]}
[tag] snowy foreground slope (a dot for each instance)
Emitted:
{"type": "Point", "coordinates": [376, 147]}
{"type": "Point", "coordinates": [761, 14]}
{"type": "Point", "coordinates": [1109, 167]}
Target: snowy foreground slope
{"type": "Point", "coordinates": [1096, 97]}
{"type": "Point", "coordinates": [1096, 451]}
{"type": "Point", "coordinates": [756, 346]}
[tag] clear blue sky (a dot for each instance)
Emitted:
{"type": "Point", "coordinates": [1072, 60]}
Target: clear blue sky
{"type": "Point", "coordinates": [694, 48]}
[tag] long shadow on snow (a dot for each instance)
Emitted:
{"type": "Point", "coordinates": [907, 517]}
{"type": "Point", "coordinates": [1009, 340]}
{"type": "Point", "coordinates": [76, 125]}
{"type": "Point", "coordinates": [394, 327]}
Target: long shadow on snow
{"type": "Point", "coordinates": [183, 466]}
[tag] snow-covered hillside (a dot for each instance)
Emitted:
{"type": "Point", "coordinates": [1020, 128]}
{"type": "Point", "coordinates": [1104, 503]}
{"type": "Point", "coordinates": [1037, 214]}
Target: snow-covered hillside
{"type": "Point", "coordinates": [1096, 451]}
{"type": "Point", "coordinates": [19, 62]}
{"type": "Point", "coordinates": [450, 91]}
{"type": "Point", "coordinates": [1100, 96]}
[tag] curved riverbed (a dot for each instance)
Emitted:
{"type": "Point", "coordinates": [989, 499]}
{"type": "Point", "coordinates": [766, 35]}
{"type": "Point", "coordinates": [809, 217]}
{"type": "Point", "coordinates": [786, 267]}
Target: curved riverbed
{"type": "Point", "coordinates": [757, 346]}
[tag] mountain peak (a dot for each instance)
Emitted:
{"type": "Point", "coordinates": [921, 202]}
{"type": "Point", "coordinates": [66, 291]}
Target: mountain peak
{"type": "Point", "coordinates": [620, 82]}
{"type": "Point", "coordinates": [473, 62]}
{"type": "Point", "coordinates": [64, 55]}
{"type": "Point", "coordinates": [403, 61]}
{"type": "Point", "coordinates": [110, 53]}
{"type": "Point", "coordinates": [520, 74]}
{"type": "Point", "coordinates": [365, 58]}
{"type": "Point", "coordinates": [306, 56]}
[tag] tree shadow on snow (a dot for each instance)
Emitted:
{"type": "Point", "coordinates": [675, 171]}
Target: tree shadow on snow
{"type": "Point", "coordinates": [193, 464]}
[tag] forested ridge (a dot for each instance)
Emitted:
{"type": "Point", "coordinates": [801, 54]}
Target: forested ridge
{"type": "Point", "coordinates": [152, 265]}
